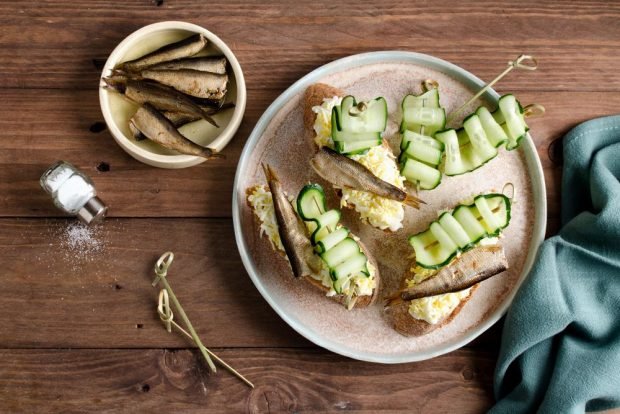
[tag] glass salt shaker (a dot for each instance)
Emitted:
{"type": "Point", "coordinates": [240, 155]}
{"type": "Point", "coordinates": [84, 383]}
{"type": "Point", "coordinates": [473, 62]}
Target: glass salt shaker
{"type": "Point", "coordinates": [73, 192]}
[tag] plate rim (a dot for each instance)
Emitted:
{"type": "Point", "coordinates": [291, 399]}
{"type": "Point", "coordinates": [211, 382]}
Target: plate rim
{"type": "Point", "coordinates": [346, 63]}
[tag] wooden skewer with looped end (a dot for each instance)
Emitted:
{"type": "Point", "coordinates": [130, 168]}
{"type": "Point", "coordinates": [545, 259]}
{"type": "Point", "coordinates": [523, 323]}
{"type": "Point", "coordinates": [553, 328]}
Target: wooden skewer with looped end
{"type": "Point", "coordinates": [167, 317]}
{"type": "Point", "coordinates": [161, 270]}
{"type": "Point", "coordinates": [525, 62]}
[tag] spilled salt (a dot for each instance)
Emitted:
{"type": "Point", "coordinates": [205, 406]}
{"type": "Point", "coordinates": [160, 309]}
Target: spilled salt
{"type": "Point", "coordinates": [81, 242]}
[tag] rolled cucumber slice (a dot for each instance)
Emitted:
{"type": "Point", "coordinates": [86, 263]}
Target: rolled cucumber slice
{"type": "Point", "coordinates": [429, 253]}
{"type": "Point", "coordinates": [410, 136]}
{"type": "Point", "coordinates": [494, 132]}
{"type": "Point", "coordinates": [348, 136]}
{"type": "Point", "coordinates": [416, 171]}
{"type": "Point", "coordinates": [341, 252]}
{"type": "Point", "coordinates": [326, 223]}
{"type": "Point", "coordinates": [330, 240]}
{"type": "Point", "coordinates": [423, 152]}
{"type": "Point", "coordinates": [515, 122]}
{"type": "Point", "coordinates": [454, 230]}
{"type": "Point", "coordinates": [350, 267]}
{"type": "Point", "coordinates": [373, 119]}
{"type": "Point", "coordinates": [500, 207]}
{"type": "Point", "coordinates": [311, 202]}
{"type": "Point", "coordinates": [467, 219]}
{"type": "Point", "coordinates": [424, 120]}
{"type": "Point", "coordinates": [356, 147]}
{"type": "Point", "coordinates": [488, 218]}
{"type": "Point", "coordinates": [454, 164]}
{"type": "Point", "coordinates": [429, 99]}
{"type": "Point", "coordinates": [442, 236]}
{"type": "Point", "coordinates": [478, 138]}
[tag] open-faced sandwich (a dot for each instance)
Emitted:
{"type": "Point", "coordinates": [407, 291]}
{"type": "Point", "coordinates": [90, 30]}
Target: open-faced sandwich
{"type": "Point", "coordinates": [319, 249]}
{"type": "Point", "coordinates": [456, 252]}
{"type": "Point", "coordinates": [354, 157]}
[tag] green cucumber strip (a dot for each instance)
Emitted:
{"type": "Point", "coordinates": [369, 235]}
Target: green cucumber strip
{"type": "Point", "coordinates": [373, 119]}
{"type": "Point", "coordinates": [429, 99]}
{"type": "Point", "coordinates": [442, 237]}
{"type": "Point", "coordinates": [488, 218]}
{"type": "Point", "coordinates": [355, 147]}
{"type": "Point", "coordinates": [326, 223]}
{"type": "Point", "coordinates": [429, 253]}
{"type": "Point", "coordinates": [348, 136]}
{"type": "Point", "coordinates": [311, 202]}
{"type": "Point", "coordinates": [350, 267]}
{"type": "Point", "coordinates": [459, 230]}
{"type": "Point", "coordinates": [423, 152]}
{"type": "Point", "coordinates": [492, 129]}
{"type": "Point", "coordinates": [410, 136]}
{"type": "Point", "coordinates": [453, 164]}
{"type": "Point", "coordinates": [424, 120]}
{"type": "Point", "coordinates": [515, 123]}
{"type": "Point", "coordinates": [478, 138]}
{"type": "Point", "coordinates": [347, 103]}
{"type": "Point", "coordinates": [467, 219]}
{"type": "Point", "coordinates": [500, 206]}
{"type": "Point", "coordinates": [454, 230]}
{"type": "Point", "coordinates": [416, 171]}
{"type": "Point", "coordinates": [330, 240]}
{"type": "Point", "coordinates": [336, 117]}
{"type": "Point", "coordinates": [341, 252]}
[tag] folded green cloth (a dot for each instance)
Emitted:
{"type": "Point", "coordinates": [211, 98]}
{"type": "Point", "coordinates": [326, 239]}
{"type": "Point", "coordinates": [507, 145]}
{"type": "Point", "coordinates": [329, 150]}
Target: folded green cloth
{"type": "Point", "coordinates": [560, 349]}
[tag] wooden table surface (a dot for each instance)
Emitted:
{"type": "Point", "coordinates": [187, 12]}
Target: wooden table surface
{"type": "Point", "coordinates": [80, 332]}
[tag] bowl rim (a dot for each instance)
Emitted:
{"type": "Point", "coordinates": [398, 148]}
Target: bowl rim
{"type": "Point", "coordinates": [181, 160]}
{"type": "Point", "coordinates": [469, 80]}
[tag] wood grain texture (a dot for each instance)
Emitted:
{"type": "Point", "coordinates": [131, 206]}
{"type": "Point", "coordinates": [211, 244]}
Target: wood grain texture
{"type": "Point", "coordinates": [286, 380]}
{"type": "Point", "coordinates": [55, 296]}
{"type": "Point", "coordinates": [275, 42]}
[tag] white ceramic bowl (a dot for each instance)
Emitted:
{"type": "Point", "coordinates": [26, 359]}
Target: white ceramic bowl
{"type": "Point", "coordinates": [117, 111]}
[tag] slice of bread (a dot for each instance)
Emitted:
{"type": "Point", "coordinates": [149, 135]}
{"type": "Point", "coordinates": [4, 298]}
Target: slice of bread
{"type": "Point", "coordinates": [360, 301]}
{"type": "Point", "coordinates": [401, 320]}
{"type": "Point", "coordinates": [314, 96]}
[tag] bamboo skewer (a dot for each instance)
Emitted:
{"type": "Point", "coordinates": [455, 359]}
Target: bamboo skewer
{"type": "Point", "coordinates": [166, 315]}
{"type": "Point", "coordinates": [530, 64]}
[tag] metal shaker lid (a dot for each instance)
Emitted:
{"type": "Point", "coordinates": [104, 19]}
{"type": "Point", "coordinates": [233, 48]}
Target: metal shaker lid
{"type": "Point", "coordinates": [93, 211]}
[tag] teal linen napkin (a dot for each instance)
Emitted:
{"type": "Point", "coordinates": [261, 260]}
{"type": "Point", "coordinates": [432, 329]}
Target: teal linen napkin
{"type": "Point", "coordinates": [560, 349]}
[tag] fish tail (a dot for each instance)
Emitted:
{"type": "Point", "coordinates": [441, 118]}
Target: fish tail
{"type": "Point", "coordinates": [413, 201]}
{"type": "Point", "coordinates": [394, 300]}
{"type": "Point", "coordinates": [115, 83]}
{"type": "Point", "coordinates": [209, 154]}
{"type": "Point", "coordinates": [205, 115]}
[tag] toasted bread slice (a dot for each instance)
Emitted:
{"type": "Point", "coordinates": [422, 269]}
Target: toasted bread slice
{"type": "Point", "coordinates": [359, 301]}
{"type": "Point", "coordinates": [314, 95]}
{"type": "Point", "coordinates": [401, 320]}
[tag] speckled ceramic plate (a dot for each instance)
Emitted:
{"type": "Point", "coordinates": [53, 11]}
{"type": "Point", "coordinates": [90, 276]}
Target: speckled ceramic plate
{"type": "Point", "coordinates": [280, 140]}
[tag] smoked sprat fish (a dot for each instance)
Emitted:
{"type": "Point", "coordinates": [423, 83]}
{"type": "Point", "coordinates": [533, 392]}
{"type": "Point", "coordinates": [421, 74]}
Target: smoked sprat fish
{"type": "Point", "coordinates": [192, 82]}
{"type": "Point", "coordinates": [161, 97]}
{"type": "Point", "coordinates": [344, 172]}
{"type": "Point", "coordinates": [152, 124]}
{"type": "Point", "coordinates": [292, 231]}
{"type": "Point", "coordinates": [472, 267]}
{"type": "Point", "coordinates": [213, 64]}
{"type": "Point", "coordinates": [182, 49]}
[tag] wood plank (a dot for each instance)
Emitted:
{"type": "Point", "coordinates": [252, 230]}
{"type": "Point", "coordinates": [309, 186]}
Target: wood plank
{"type": "Point", "coordinates": [296, 41]}
{"type": "Point", "coordinates": [56, 295]}
{"type": "Point", "coordinates": [58, 124]}
{"type": "Point", "coordinates": [307, 380]}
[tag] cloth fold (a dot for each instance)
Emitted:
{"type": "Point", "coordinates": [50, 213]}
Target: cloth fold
{"type": "Point", "coordinates": [560, 350]}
